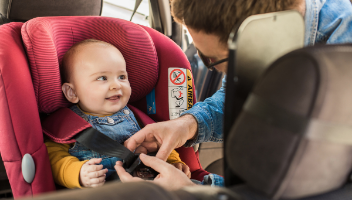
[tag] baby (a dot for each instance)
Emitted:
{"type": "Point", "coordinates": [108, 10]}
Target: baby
{"type": "Point", "coordinates": [96, 81]}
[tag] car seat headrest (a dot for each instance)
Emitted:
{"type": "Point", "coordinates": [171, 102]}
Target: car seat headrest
{"type": "Point", "coordinates": [47, 39]}
{"type": "Point", "coordinates": [23, 10]}
{"type": "Point", "coordinates": [293, 137]}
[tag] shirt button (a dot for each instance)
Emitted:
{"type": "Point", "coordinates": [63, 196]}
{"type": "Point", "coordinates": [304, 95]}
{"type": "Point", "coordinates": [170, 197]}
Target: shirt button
{"type": "Point", "coordinates": [127, 112]}
{"type": "Point", "coordinates": [111, 121]}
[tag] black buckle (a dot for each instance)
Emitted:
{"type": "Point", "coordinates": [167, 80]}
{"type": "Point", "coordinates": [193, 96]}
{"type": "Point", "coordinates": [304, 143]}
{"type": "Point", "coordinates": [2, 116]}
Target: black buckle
{"type": "Point", "coordinates": [136, 168]}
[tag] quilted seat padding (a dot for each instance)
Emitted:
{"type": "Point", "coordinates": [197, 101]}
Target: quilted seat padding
{"type": "Point", "coordinates": [20, 130]}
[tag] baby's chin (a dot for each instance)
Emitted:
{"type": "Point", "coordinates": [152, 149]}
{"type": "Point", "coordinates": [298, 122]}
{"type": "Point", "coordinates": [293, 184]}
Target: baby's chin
{"type": "Point", "coordinates": [101, 112]}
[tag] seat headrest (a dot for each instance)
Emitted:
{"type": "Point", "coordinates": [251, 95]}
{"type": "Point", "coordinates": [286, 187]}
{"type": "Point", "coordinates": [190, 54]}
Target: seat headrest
{"type": "Point", "coordinates": [293, 137]}
{"type": "Point", "coordinates": [48, 38]}
{"type": "Point", "coordinates": [23, 10]}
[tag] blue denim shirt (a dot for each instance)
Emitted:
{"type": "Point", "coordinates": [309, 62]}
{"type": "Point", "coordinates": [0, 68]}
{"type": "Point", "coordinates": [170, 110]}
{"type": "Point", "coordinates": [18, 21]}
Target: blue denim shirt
{"type": "Point", "coordinates": [119, 126]}
{"type": "Point", "coordinates": [326, 22]}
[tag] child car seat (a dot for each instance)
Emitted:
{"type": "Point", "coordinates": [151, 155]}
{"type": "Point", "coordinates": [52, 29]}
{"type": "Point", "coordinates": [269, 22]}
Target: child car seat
{"type": "Point", "coordinates": [25, 94]}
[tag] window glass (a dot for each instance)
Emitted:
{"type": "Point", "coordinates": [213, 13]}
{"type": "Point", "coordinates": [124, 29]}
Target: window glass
{"type": "Point", "coordinates": [123, 9]}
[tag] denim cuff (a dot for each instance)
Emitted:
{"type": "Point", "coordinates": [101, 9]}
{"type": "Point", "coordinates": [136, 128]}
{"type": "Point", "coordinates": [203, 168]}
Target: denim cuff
{"type": "Point", "coordinates": [202, 126]}
{"type": "Point", "coordinates": [213, 180]}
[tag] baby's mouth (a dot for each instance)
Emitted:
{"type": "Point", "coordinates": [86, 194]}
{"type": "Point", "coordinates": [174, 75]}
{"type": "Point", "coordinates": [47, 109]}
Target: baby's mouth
{"type": "Point", "coordinates": [115, 97]}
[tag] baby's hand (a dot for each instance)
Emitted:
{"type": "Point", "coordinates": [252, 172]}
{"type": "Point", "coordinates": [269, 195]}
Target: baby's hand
{"type": "Point", "coordinates": [183, 168]}
{"type": "Point", "coordinates": [92, 175]}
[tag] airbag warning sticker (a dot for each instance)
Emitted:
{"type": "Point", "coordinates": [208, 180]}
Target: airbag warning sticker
{"type": "Point", "coordinates": [180, 91]}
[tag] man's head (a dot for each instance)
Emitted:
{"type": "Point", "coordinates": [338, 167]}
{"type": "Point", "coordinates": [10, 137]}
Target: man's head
{"type": "Point", "coordinates": [211, 21]}
{"type": "Point", "coordinates": [94, 76]}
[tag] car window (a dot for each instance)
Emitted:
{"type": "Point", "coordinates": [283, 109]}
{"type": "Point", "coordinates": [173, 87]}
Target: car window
{"type": "Point", "coordinates": [123, 9]}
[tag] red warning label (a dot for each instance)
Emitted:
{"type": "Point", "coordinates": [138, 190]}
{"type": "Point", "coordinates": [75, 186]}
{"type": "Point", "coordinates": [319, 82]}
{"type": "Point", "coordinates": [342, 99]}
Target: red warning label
{"type": "Point", "coordinates": [177, 77]}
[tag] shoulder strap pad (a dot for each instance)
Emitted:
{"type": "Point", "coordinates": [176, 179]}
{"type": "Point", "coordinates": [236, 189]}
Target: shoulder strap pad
{"type": "Point", "coordinates": [63, 124]}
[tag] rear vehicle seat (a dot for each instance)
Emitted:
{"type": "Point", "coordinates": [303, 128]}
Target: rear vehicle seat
{"type": "Point", "coordinates": [22, 10]}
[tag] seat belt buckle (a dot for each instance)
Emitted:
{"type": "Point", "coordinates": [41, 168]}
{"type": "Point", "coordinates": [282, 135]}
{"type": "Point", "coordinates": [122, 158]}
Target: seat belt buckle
{"type": "Point", "coordinates": [138, 169]}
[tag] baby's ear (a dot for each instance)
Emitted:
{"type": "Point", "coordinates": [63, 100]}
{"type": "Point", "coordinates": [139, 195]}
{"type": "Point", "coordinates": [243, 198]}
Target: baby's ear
{"type": "Point", "coordinates": [69, 92]}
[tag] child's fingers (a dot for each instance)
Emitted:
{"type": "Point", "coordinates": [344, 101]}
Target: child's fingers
{"type": "Point", "coordinates": [97, 185]}
{"type": "Point", "coordinates": [94, 161]}
{"type": "Point", "coordinates": [95, 182]}
{"type": "Point", "coordinates": [186, 170]}
{"type": "Point", "coordinates": [96, 174]}
{"type": "Point", "coordinates": [93, 168]}
{"type": "Point", "coordinates": [178, 165]}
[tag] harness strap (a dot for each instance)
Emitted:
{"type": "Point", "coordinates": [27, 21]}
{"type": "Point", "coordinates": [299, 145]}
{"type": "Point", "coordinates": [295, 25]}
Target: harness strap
{"type": "Point", "coordinates": [99, 142]}
{"type": "Point", "coordinates": [65, 126]}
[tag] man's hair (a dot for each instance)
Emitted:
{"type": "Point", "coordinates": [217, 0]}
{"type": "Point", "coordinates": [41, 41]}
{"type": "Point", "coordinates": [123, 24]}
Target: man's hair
{"type": "Point", "coordinates": [65, 70]}
{"type": "Point", "coordinates": [219, 17]}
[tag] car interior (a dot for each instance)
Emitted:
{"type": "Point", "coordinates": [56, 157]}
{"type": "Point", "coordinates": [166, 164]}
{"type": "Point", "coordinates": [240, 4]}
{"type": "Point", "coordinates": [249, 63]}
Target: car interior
{"type": "Point", "coordinates": [287, 115]}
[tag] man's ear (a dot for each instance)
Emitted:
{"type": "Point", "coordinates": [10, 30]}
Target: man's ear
{"type": "Point", "coordinates": [69, 92]}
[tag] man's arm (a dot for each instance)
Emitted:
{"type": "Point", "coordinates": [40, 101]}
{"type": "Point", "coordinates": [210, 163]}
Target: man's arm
{"type": "Point", "coordinates": [209, 115]}
{"type": "Point", "coordinates": [167, 135]}
{"type": "Point", "coordinates": [206, 117]}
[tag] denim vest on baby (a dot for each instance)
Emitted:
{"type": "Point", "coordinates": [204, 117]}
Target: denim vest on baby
{"type": "Point", "coordinates": [119, 126]}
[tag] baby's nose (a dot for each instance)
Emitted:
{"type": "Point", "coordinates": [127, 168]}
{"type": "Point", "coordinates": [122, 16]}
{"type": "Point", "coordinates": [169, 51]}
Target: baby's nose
{"type": "Point", "coordinates": [115, 85]}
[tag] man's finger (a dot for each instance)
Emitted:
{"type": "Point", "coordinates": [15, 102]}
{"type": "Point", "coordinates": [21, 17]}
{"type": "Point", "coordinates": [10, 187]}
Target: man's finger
{"type": "Point", "coordinates": [123, 175]}
{"type": "Point", "coordinates": [157, 164]}
{"type": "Point", "coordinates": [165, 150]}
{"type": "Point", "coordinates": [141, 149]}
{"type": "Point", "coordinates": [137, 139]}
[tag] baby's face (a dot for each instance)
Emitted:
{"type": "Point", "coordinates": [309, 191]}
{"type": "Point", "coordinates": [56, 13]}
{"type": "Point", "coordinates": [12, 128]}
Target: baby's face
{"type": "Point", "coordinates": [99, 78]}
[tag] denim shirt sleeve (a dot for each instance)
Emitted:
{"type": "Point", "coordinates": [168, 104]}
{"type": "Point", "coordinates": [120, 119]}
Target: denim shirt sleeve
{"type": "Point", "coordinates": [335, 23]}
{"type": "Point", "coordinates": [328, 22]}
{"type": "Point", "coordinates": [209, 115]}
{"type": "Point", "coordinates": [213, 180]}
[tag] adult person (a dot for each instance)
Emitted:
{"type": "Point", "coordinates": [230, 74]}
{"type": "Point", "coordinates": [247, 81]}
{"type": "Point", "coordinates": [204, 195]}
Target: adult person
{"type": "Point", "coordinates": [210, 22]}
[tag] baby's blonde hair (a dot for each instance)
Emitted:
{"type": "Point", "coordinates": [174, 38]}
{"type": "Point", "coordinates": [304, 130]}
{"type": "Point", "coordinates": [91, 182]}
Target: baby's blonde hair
{"type": "Point", "coordinates": [65, 69]}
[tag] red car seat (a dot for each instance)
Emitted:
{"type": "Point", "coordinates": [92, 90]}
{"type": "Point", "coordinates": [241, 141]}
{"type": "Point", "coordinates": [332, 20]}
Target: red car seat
{"type": "Point", "coordinates": [30, 84]}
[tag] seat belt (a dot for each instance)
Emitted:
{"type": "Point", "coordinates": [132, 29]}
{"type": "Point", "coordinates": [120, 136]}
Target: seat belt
{"type": "Point", "coordinates": [138, 2]}
{"type": "Point", "coordinates": [99, 142]}
{"type": "Point", "coordinates": [65, 126]}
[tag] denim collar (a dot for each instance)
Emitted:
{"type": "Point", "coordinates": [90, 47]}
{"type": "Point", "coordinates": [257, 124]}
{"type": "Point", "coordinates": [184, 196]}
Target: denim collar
{"type": "Point", "coordinates": [88, 117]}
{"type": "Point", "coordinates": [311, 20]}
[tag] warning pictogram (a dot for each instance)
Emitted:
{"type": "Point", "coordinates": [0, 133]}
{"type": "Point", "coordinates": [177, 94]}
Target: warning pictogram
{"type": "Point", "coordinates": [180, 90]}
{"type": "Point", "coordinates": [177, 77]}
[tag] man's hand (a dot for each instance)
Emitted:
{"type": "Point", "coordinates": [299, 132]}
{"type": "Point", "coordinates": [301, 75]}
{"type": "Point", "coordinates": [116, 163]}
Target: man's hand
{"type": "Point", "coordinates": [183, 168]}
{"type": "Point", "coordinates": [92, 175]}
{"type": "Point", "coordinates": [164, 136]}
{"type": "Point", "coordinates": [169, 177]}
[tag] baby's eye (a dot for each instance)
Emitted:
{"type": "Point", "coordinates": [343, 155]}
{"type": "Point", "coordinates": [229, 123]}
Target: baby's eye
{"type": "Point", "coordinates": [102, 78]}
{"type": "Point", "coordinates": [122, 77]}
